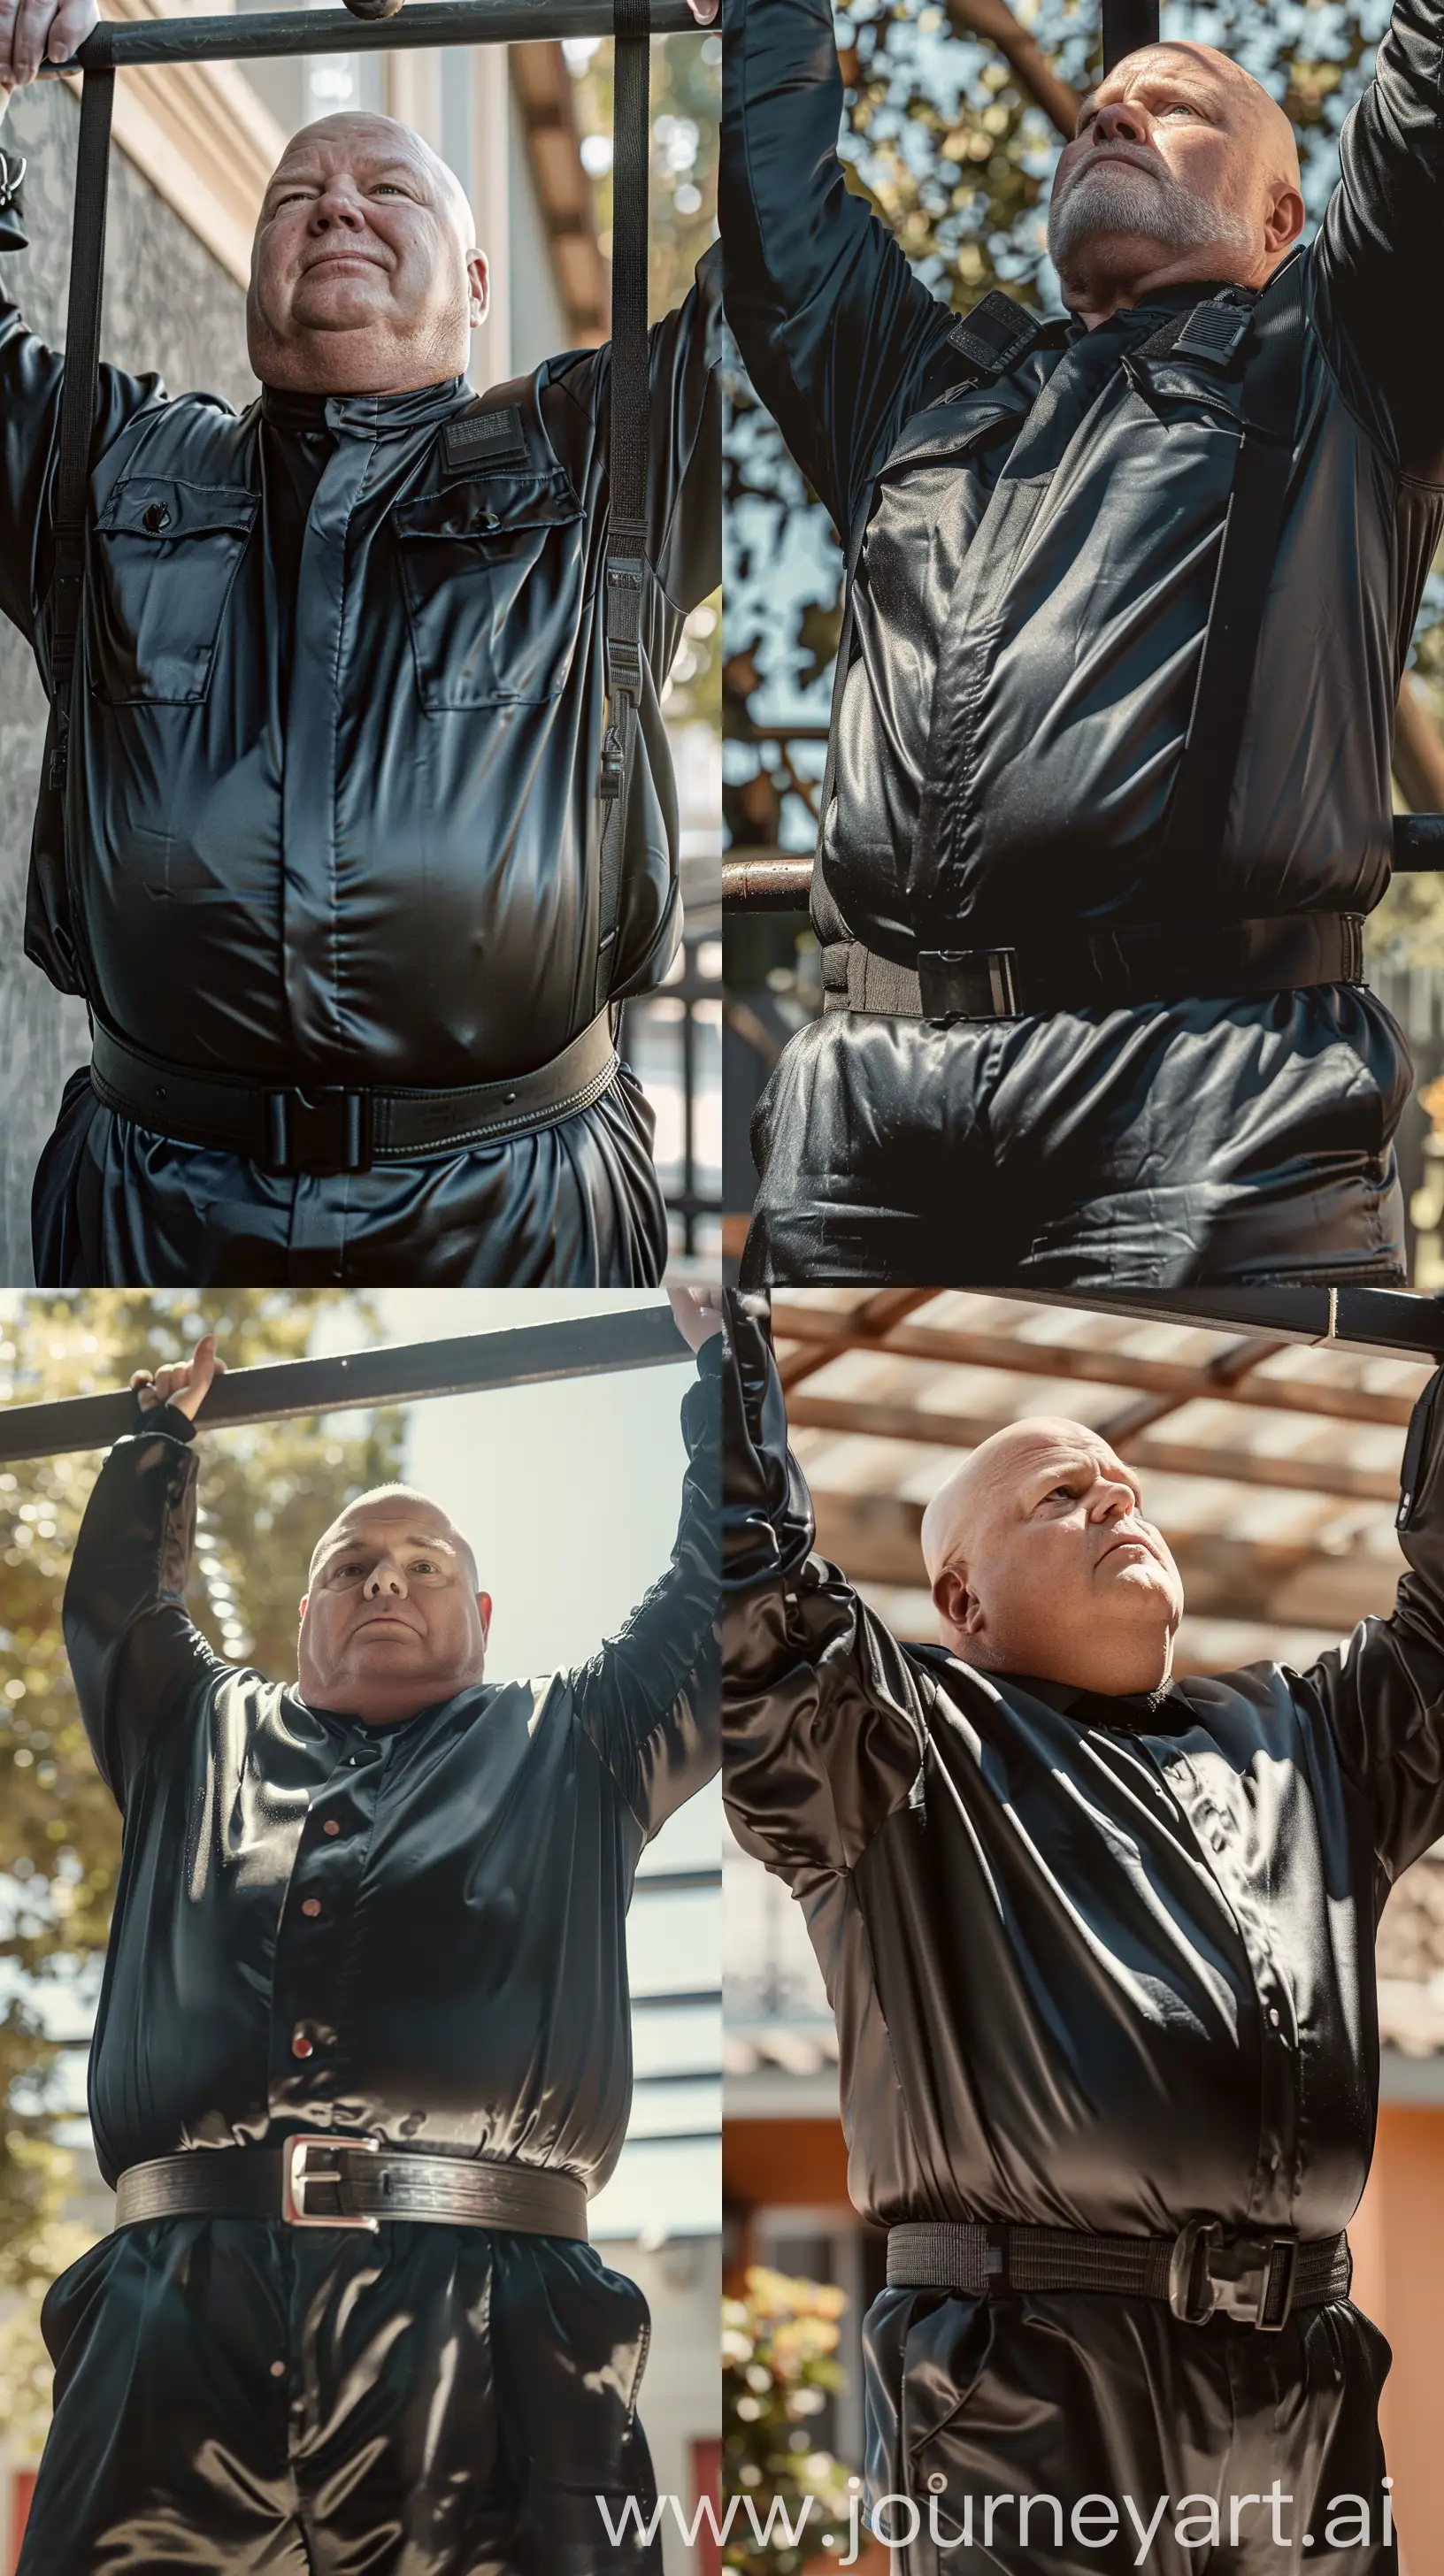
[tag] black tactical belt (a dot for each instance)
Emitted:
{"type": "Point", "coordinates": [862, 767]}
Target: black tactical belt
{"type": "Point", "coordinates": [333, 1128]}
{"type": "Point", "coordinates": [1203, 2271]}
{"type": "Point", "coordinates": [1175, 961]}
{"type": "Point", "coordinates": [316, 2181]}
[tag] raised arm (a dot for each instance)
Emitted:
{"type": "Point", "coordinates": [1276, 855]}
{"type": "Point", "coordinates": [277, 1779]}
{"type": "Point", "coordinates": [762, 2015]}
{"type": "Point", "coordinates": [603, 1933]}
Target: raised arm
{"type": "Point", "coordinates": [649, 1700]}
{"type": "Point", "coordinates": [1377, 261]}
{"type": "Point", "coordinates": [835, 330]}
{"type": "Point", "coordinates": [1383, 1690]}
{"type": "Point", "coordinates": [30, 374]}
{"type": "Point", "coordinates": [134, 1654]}
{"type": "Point", "coordinates": [821, 1724]}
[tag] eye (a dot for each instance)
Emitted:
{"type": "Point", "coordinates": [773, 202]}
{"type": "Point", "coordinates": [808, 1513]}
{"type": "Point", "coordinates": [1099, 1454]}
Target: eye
{"type": "Point", "coordinates": [389, 188]}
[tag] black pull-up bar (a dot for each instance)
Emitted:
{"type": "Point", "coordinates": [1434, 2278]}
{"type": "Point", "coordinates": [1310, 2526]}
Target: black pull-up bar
{"type": "Point", "coordinates": [1395, 1320]}
{"type": "Point", "coordinates": [1127, 24]}
{"type": "Point", "coordinates": [124, 44]}
{"type": "Point", "coordinates": [401, 1373]}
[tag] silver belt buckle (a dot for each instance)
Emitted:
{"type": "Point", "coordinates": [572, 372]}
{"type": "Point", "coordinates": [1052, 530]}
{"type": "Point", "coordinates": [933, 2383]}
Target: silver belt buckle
{"type": "Point", "coordinates": [295, 2177]}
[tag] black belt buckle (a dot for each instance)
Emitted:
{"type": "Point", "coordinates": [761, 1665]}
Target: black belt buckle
{"type": "Point", "coordinates": [968, 984]}
{"type": "Point", "coordinates": [1251, 2279]}
{"type": "Point", "coordinates": [325, 1130]}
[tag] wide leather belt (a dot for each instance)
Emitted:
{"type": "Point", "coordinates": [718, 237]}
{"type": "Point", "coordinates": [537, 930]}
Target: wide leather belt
{"type": "Point", "coordinates": [318, 2181]}
{"type": "Point", "coordinates": [345, 1128]}
{"type": "Point", "coordinates": [1150, 962]}
{"type": "Point", "coordinates": [1205, 2270]}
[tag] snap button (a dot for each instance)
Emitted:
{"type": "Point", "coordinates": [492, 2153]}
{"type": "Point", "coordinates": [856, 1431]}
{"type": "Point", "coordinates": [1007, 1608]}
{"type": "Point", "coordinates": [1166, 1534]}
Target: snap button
{"type": "Point", "coordinates": [1274, 2016]}
{"type": "Point", "coordinates": [311, 1905]}
{"type": "Point", "coordinates": [278, 2370]}
{"type": "Point", "coordinates": [330, 1826]}
{"type": "Point", "coordinates": [156, 517]}
{"type": "Point", "coordinates": [301, 2045]}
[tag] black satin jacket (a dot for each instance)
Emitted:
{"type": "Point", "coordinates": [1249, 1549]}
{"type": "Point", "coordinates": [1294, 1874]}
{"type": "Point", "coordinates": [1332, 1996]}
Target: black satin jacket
{"type": "Point", "coordinates": [464, 1986]}
{"type": "Point", "coordinates": [363, 844]}
{"type": "Point", "coordinates": [1095, 1964]}
{"type": "Point", "coordinates": [1032, 599]}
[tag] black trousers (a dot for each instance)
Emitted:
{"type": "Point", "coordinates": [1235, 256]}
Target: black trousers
{"type": "Point", "coordinates": [1138, 2441]}
{"type": "Point", "coordinates": [241, 2398]}
{"type": "Point", "coordinates": [1230, 1144]}
{"type": "Point", "coordinates": [576, 1205]}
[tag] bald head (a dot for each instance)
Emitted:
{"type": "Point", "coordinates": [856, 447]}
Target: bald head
{"type": "Point", "coordinates": [392, 1621]}
{"type": "Point", "coordinates": [365, 275]}
{"type": "Point", "coordinates": [1041, 1562]}
{"type": "Point", "coordinates": [1183, 170]}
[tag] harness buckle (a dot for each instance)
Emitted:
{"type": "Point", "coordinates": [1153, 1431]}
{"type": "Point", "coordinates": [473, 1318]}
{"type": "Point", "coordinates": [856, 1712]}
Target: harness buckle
{"type": "Point", "coordinates": [325, 1130]}
{"type": "Point", "coordinates": [968, 984]}
{"type": "Point", "coordinates": [1250, 2278]}
{"type": "Point", "coordinates": [296, 2179]}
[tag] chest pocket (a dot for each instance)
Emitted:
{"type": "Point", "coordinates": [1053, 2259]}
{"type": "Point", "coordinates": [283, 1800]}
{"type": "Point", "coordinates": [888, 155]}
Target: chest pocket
{"type": "Point", "coordinates": [162, 568]}
{"type": "Point", "coordinates": [492, 573]}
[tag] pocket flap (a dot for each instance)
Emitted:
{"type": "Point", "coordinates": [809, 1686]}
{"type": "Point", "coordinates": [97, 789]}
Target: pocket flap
{"type": "Point", "coordinates": [948, 431]}
{"type": "Point", "coordinates": [158, 506]}
{"type": "Point", "coordinates": [495, 507]}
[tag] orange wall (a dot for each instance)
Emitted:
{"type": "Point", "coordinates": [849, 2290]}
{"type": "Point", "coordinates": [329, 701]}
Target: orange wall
{"type": "Point", "coordinates": [1398, 2241]}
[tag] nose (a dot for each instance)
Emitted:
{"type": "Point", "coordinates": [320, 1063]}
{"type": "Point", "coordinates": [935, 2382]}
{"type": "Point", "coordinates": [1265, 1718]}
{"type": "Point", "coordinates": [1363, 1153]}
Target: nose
{"type": "Point", "coordinates": [1122, 121]}
{"type": "Point", "coordinates": [1112, 1500]}
{"type": "Point", "coordinates": [384, 1577]}
{"type": "Point", "coordinates": [335, 206]}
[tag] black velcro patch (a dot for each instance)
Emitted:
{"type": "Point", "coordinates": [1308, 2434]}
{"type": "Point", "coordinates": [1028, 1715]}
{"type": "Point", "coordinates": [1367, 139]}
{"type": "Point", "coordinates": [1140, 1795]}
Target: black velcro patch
{"type": "Point", "coordinates": [482, 439]}
{"type": "Point", "coordinates": [1215, 333]}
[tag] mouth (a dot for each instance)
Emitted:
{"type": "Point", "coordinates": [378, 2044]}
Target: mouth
{"type": "Point", "coordinates": [1131, 1546]}
{"type": "Point", "coordinates": [342, 259]}
{"type": "Point", "coordinates": [399, 1627]}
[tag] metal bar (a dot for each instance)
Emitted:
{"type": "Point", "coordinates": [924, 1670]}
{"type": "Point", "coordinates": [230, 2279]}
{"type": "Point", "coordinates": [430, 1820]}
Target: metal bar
{"type": "Point", "coordinates": [402, 1373]}
{"type": "Point", "coordinates": [775, 881]}
{"type": "Point", "coordinates": [1127, 24]}
{"type": "Point", "coordinates": [676, 1882]}
{"type": "Point", "coordinates": [679, 2002]}
{"type": "Point", "coordinates": [243, 38]}
{"type": "Point", "coordinates": [1381, 1319]}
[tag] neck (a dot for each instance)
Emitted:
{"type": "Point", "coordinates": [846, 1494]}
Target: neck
{"type": "Point", "coordinates": [1095, 297]}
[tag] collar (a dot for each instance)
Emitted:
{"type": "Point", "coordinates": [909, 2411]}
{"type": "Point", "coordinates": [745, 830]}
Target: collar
{"type": "Point", "coordinates": [1131, 1712]}
{"type": "Point", "coordinates": [1160, 304]}
{"type": "Point", "coordinates": [366, 415]}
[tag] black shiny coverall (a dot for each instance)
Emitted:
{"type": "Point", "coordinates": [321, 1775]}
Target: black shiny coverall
{"type": "Point", "coordinates": [332, 811]}
{"type": "Point", "coordinates": [1031, 602]}
{"type": "Point", "coordinates": [240, 2395]}
{"type": "Point", "coordinates": [1098, 1964]}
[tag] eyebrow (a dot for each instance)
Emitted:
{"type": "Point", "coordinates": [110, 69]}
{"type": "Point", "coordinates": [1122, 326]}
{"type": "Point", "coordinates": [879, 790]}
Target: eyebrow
{"type": "Point", "coordinates": [414, 1540]}
{"type": "Point", "coordinates": [308, 177]}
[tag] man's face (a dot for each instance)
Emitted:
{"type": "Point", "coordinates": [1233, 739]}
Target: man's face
{"type": "Point", "coordinates": [1052, 1568]}
{"type": "Point", "coordinates": [363, 278]}
{"type": "Point", "coordinates": [393, 1621]}
{"type": "Point", "coordinates": [1182, 167]}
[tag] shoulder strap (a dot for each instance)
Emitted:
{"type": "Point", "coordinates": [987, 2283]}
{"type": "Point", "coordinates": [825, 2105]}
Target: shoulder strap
{"type": "Point", "coordinates": [77, 399]}
{"type": "Point", "coordinates": [990, 339]}
{"type": "Point", "coordinates": [1197, 816]}
{"type": "Point", "coordinates": [625, 575]}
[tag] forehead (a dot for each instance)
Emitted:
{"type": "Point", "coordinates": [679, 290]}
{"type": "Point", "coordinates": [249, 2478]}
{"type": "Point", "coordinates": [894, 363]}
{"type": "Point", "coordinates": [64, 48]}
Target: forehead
{"type": "Point", "coordinates": [352, 143]}
{"type": "Point", "coordinates": [1053, 1446]}
{"type": "Point", "coordinates": [1188, 67]}
{"type": "Point", "coordinates": [382, 1524]}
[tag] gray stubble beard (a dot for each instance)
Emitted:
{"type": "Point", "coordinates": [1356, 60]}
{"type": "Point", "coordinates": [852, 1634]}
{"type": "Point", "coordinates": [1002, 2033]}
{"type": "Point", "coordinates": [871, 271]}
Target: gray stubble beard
{"type": "Point", "coordinates": [1119, 199]}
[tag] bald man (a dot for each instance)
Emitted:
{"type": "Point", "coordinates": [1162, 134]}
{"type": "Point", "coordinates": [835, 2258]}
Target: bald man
{"type": "Point", "coordinates": [327, 865]}
{"type": "Point", "coordinates": [1100, 1947]}
{"type": "Point", "coordinates": [363, 2050]}
{"type": "Point", "coordinates": [1091, 897]}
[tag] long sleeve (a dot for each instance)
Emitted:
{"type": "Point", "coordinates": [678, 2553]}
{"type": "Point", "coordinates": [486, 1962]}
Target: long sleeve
{"type": "Point", "coordinates": [1383, 1690]}
{"type": "Point", "coordinates": [1377, 261]}
{"type": "Point", "coordinates": [31, 377]}
{"type": "Point", "coordinates": [835, 330]}
{"type": "Point", "coordinates": [134, 1654]}
{"type": "Point", "coordinates": [649, 1701]}
{"type": "Point", "coordinates": [821, 1718]}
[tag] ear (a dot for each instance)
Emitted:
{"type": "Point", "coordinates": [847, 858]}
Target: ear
{"type": "Point", "coordinates": [478, 270]}
{"type": "Point", "coordinates": [1284, 221]}
{"type": "Point", "coordinates": [483, 1603]}
{"type": "Point", "coordinates": [956, 1604]}
{"type": "Point", "coordinates": [301, 1613]}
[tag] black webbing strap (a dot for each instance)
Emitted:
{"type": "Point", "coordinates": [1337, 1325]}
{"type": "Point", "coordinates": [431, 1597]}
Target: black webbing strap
{"type": "Point", "coordinates": [989, 340]}
{"type": "Point", "coordinates": [626, 563]}
{"type": "Point", "coordinates": [1197, 816]}
{"type": "Point", "coordinates": [77, 395]}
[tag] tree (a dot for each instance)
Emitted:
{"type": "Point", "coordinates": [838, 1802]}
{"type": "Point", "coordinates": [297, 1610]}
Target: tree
{"type": "Point", "coordinates": [779, 2368]}
{"type": "Point", "coordinates": [268, 1491]}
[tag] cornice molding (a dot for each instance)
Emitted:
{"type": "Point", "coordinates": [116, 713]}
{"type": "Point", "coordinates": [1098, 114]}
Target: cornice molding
{"type": "Point", "coordinates": [200, 135]}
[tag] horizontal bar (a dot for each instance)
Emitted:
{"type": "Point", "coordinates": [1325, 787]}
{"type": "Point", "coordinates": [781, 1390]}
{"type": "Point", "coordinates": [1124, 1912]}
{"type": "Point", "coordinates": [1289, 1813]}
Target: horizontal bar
{"type": "Point", "coordinates": [399, 1373]}
{"type": "Point", "coordinates": [130, 42]}
{"type": "Point", "coordinates": [1127, 26]}
{"type": "Point", "coordinates": [676, 1882]}
{"type": "Point", "coordinates": [680, 2001]}
{"type": "Point", "coordinates": [778, 882]}
{"type": "Point", "coordinates": [1395, 1320]}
